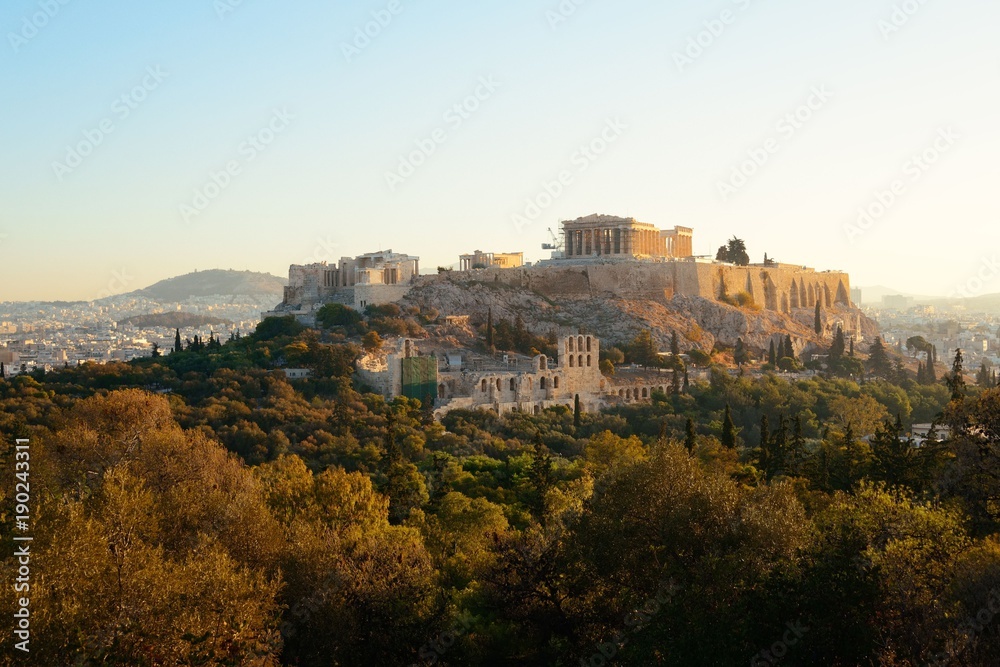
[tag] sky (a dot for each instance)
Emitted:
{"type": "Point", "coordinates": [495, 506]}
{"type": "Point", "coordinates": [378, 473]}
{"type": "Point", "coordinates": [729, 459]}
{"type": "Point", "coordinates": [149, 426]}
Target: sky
{"type": "Point", "coordinates": [143, 140]}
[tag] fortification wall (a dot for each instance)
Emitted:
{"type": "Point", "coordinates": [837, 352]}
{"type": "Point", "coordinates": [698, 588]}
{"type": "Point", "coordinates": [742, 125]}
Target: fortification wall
{"type": "Point", "coordinates": [779, 288]}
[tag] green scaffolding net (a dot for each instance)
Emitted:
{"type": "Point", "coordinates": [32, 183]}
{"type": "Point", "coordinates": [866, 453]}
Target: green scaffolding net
{"type": "Point", "coordinates": [420, 378]}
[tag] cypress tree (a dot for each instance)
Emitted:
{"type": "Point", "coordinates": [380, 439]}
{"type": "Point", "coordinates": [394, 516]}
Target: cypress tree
{"type": "Point", "coordinates": [489, 330]}
{"type": "Point", "coordinates": [675, 348]}
{"type": "Point", "coordinates": [956, 381]}
{"type": "Point", "coordinates": [728, 429]}
{"type": "Point", "coordinates": [772, 355]}
{"type": "Point", "coordinates": [837, 348]}
{"type": "Point", "coordinates": [930, 376]}
{"type": "Point", "coordinates": [3, 371]}
{"type": "Point", "coordinates": [689, 435]}
{"type": "Point", "coordinates": [576, 412]}
{"type": "Point", "coordinates": [789, 348]}
{"type": "Point", "coordinates": [797, 451]}
{"type": "Point", "coordinates": [818, 320]}
{"type": "Point", "coordinates": [177, 340]}
{"type": "Point", "coordinates": [740, 354]}
{"type": "Point", "coordinates": [687, 383]}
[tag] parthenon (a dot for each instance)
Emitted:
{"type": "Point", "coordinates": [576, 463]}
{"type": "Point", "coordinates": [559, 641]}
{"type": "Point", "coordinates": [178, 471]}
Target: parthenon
{"type": "Point", "coordinates": [625, 238]}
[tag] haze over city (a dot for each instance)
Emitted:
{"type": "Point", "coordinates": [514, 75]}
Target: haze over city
{"type": "Point", "coordinates": [838, 105]}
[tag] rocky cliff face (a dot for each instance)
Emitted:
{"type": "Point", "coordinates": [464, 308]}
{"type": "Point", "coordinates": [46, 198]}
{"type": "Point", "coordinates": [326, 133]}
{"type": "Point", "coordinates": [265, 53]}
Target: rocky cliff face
{"type": "Point", "coordinates": [699, 322]}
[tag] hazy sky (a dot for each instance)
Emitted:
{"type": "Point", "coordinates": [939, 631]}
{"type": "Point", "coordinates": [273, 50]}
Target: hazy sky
{"type": "Point", "coordinates": [311, 119]}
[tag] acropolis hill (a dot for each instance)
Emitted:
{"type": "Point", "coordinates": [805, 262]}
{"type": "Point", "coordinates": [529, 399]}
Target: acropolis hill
{"type": "Point", "coordinates": [604, 262]}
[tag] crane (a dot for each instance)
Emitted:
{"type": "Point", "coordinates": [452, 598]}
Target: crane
{"type": "Point", "coordinates": [555, 245]}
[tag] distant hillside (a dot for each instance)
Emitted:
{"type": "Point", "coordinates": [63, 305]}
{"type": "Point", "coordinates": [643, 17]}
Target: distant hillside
{"type": "Point", "coordinates": [175, 320]}
{"type": "Point", "coordinates": [215, 282]}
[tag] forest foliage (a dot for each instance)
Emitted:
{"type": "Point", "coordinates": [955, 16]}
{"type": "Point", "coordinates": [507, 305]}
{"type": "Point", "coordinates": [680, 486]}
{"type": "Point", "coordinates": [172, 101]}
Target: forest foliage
{"type": "Point", "coordinates": [200, 509]}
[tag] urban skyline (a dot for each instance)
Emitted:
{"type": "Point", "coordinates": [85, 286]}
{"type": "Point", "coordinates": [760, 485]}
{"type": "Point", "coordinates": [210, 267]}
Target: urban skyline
{"type": "Point", "coordinates": [213, 145]}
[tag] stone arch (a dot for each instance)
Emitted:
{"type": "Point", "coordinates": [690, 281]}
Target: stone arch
{"type": "Point", "coordinates": [569, 344]}
{"type": "Point", "coordinates": [499, 385]}
{"type": "Point", "coordinates": [827, 300]}
{"type": "Point", "coordinates": [812, 296]}
{"type": "Point", "coordinates": [784, 303]}
{"type": "Point", "coordinates": [441, 390]}
{"type": "Point", "coordinates": [793, 294]}
{"type": "Point", "coordinates": [579, 361]}
{"type": "Point", "coordinates": [588, 361]}
{"type": "Point", "coordinates": [749, 288]}
{"type": "Point", "coordinates": [555, 382]}
{"type": "Point", "coordinates": [645, 393]}
{"type": "Point", "coordinates": [588, 344]}
{"type": "Point", "coordinates": [572, 360]}
{"type": "Point", "coordinates": [513, 384]}
{"type": "Point", "coordinates": [803, 302]}
{"type": "Point", "coordinates": [484, 386]}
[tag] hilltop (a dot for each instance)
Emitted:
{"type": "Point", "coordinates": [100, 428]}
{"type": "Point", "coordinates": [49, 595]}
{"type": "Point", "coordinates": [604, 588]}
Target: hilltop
{"type": "Point", "coordinates": [699, 322]}
{"type": "Point", "coordinates": [215, 282]}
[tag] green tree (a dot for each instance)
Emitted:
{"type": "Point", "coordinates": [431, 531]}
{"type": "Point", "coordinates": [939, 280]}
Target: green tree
{"type": "Point", "coordinates": [489, 330]}
{"type": "Point", "coordinates": [740, 353]}
{"type": "Point", "coordinates": [338, 315]}
{"type": "Point", "coordinates": [879, 362]}
{"type": "Point", "coordinates": [728, 429]}
{"type": "Point", "coordinates": [838, 346]}
{"type": "Point", "coordinates": [818, 319]}
{"type": "Point", "coordinates": [690, 439]}
{"type": "Point", "coordinates": [956, 380]}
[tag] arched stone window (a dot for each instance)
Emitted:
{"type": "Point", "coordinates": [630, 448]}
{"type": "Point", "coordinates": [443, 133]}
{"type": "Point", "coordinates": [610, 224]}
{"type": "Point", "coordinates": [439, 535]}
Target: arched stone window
{"type": "Point", "coordinates": [588, 345]}
{"type": "Point", "coordinates": [588, 361]}
{"type": "Point", "coordinates": [512, 385]}
{"type": "Point", "coordinates": [555, 382]}
{"type": "Point", "coordinates": [569, 344]}
{"type": "Point", "coordinates": [579, 361]}
{"type": "Point", "coordinates": [572, 360]}
{"type": "Point", "coordinates": [645, 393]}
{"type": "Point", "coordinates": [499, 386]}
{"type": "Point", "coordinates": [541, 383]}
{"type": "Point", "coordinates": [484, 385]}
